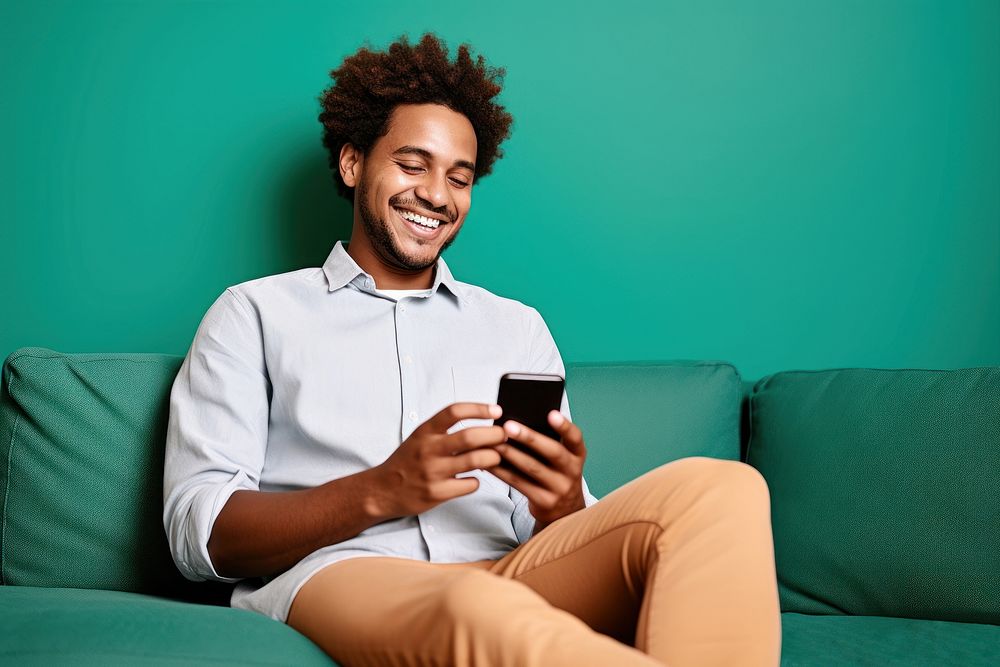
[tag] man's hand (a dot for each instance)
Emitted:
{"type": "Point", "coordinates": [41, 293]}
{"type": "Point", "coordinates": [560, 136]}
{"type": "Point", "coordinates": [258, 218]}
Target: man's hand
{"type": "Point", "coordinates": [552, 491]}
{"type": "Point", "coordinates": [421, 472]}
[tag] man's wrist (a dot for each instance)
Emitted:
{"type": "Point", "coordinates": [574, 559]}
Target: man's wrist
{"type": "Point", "coordinates": [375, 498]}
{"type": "Point", "coordinates": [541, 525]}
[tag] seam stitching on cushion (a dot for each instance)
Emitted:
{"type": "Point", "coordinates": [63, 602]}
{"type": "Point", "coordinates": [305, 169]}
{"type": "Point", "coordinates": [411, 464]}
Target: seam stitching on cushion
{"type": "Point", "coordinates": [102, 356]}
{"type": "Point", "coordinates": [6, 491]}
{"type": "Point", "coordinates": [69, 359]}
{"type": "Point", "coordinates": [6, 494]}
{"type": "Point", "coordinates": [882, 369]}
{"type": "Point", "coordinates": [654, 363]}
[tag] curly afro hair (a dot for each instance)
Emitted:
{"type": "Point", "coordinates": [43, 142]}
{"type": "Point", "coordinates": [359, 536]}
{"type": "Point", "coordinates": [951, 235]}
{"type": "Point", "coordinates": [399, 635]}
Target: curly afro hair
{"type": "Point", "coordinates": [369, 85]}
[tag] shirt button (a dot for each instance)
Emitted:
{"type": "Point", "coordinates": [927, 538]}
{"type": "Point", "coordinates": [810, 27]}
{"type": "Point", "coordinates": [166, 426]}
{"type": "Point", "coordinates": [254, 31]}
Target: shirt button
{"type": "Point", "coordinates": [413, 415]}
{"type": "Point", "coordinates": [431, 529]}
{"type": "Point", "coordinates": [408, 359]}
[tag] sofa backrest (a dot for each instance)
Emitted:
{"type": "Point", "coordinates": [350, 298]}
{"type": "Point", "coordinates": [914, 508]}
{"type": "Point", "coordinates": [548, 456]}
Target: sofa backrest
{"type": "Point", "coordinates": [637, 416]}
{"type": "Point", "coordinates": [81, 473]}
{"type": "Point", "coordinates": [885, 490]}
{"type": "Point", "coordinates": [81, 456]}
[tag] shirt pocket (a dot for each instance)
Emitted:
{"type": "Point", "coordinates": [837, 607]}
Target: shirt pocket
{"type": "Point", "coordinates": [476, 383]}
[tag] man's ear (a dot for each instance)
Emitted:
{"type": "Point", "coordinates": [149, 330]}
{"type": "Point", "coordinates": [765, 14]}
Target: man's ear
{"type": "Point", "coordinates": [351, 163]}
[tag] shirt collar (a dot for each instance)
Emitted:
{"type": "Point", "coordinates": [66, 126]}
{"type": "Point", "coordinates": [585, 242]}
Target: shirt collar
{"type": "Point", "coordinates": [341, 269]}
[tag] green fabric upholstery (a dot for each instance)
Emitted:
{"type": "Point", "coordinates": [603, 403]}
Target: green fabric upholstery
{"type": "Point", "coordinates": [67, 626]}
{"type": "Point", "coordinates": [830, 641]}
{"type": "Point", "coordinates": [635, 417]}
{"type": "Point", "coordinates": [884, 493]}
{"type": "Point", "coordinates": [885, 490]}
{"type": "Point", "coordinates": [81, 473]}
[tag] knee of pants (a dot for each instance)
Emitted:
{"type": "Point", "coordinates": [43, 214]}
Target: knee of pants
{"type": "Point", "coordinates": [711, 480]}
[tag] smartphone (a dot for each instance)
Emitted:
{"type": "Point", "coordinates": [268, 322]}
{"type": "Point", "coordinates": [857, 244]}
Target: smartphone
{"type": "Point", "coordinates": [527, 398]}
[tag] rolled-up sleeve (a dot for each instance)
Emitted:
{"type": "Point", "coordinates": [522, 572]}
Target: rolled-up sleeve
{"type": "Point", "coordinates": [217, 429]}
{"type": "Point", "coordinates": [544, 357]}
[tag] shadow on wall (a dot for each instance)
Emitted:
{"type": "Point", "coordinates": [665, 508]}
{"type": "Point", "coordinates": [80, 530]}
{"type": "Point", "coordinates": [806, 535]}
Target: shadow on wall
{"type": "Point", "coordinates": [310, 216]}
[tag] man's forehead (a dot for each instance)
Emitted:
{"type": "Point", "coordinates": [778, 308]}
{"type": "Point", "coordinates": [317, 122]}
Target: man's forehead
{"type": "Point", "coordinates": [431, 131]}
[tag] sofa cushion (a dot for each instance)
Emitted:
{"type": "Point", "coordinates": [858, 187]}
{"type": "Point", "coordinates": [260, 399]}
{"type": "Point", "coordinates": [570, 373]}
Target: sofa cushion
{"type": "Point", "coordinates": [827, 641]}
{"type": "Point", "coordinates": [637, 416]}
{"type": "Point", "coordinates": [81, 470]}
{"type": "Point", "coordinates": [885, 490]}
{"type": "Point", "coordinates": [66, 626]}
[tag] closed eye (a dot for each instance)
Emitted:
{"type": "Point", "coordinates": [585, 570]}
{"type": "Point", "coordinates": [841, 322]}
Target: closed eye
{"type": "Point", "coordinates": [411, 169]}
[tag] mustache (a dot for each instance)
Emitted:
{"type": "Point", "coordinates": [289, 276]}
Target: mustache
{"type": "Point", "coordinates": [422, 205]}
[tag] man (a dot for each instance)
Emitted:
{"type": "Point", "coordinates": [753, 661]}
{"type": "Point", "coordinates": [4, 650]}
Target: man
{"type": "Point", "coordinates": [330, 445]}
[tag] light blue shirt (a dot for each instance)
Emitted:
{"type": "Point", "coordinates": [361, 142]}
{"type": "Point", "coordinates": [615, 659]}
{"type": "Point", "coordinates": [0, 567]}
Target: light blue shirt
{"type": "Point", "coordinates": [296, 379]}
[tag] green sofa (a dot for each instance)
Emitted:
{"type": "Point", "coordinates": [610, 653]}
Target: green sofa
{"type": "Point", "coordinates": [885, 492]}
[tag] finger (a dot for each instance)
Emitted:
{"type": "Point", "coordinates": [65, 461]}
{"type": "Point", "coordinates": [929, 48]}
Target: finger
{"type": "Point", "coordinates": [447, 416]}
{"type": "Point", "coordinates": [543, 445]}
{"type": "Point", "coordinates": [473, 437]}
{"type": "Point", "coordinates": [532, 491]}
{"type": "Point", "coordinates": [483, 458]}
{"type": "Point", "coordinates": [455, 487]}
{"type": "Point", "coordinates": [570, 433]}
{"type": "Point", "coordinates": [527, 464]}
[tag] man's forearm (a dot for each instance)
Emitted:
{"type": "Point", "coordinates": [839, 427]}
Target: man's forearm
{"type": "Point", "coordinates": [262, 533]}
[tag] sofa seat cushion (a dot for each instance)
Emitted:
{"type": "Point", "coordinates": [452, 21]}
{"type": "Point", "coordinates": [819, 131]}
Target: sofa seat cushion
{"type": "Point", "coordinates": [639, 415]}
{"type": "Point", "coordinates": [825, 641]}
{"type": "Point", "coordinates": [63, 626]}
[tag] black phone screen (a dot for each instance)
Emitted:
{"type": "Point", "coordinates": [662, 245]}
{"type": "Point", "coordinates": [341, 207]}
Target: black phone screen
{"type": "Point", "coordinates": [527, 398]}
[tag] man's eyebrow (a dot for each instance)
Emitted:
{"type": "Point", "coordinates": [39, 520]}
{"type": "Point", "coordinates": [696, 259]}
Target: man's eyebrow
{"type": "Point", "coordinates": [423, 152]}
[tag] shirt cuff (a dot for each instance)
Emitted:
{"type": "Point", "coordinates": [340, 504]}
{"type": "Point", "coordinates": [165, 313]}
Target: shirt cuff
{"type": "Point", "coordinates": [205, 505]}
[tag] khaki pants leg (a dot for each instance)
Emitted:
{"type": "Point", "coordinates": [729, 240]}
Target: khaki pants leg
{"type": "Point", "coordinates": [394, 611]}
{"type": "Point", "coordinates": [678, 562]}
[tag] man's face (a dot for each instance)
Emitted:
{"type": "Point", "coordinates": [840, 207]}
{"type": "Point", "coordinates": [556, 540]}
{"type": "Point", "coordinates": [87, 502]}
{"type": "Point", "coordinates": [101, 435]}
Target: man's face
{"type": "Point", "coordinates": [424, 165]}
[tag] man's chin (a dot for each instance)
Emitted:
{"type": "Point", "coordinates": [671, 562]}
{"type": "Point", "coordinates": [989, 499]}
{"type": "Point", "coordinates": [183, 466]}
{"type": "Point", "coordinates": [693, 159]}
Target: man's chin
{"type": "Point", "coordinates": [416, 256]}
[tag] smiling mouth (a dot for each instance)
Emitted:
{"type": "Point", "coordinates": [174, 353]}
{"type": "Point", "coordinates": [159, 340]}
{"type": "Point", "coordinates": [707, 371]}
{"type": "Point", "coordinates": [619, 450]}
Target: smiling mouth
{"type": "Point", "coordinates": [422, 226]}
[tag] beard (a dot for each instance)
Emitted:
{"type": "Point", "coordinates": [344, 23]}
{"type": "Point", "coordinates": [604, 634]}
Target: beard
{"type": "Point", "coordinates": [379, 235]}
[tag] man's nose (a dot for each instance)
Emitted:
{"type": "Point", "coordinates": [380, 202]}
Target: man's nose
{"type": "Point", "coordinates": [434, 190]}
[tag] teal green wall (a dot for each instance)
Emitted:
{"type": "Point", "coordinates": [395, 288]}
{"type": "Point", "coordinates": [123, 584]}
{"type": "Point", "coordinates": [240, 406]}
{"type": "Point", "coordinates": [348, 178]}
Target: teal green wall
{"type": "Point", "coordinates": [777, 184]}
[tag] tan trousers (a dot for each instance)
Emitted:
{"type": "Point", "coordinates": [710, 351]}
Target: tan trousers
{"type": "Point", "coordinates": [674, 568]}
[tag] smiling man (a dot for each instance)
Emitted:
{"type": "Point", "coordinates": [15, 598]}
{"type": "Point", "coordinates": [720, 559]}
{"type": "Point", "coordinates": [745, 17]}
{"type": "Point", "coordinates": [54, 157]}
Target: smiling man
{"type": "Point", "coordinates": [330, 448]}
{"type": "Point", "coordinates": [413, 198]}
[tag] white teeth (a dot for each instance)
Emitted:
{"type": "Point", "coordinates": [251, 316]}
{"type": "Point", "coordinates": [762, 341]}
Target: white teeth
{"type": "Point", "coordinates": [423, 220]}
